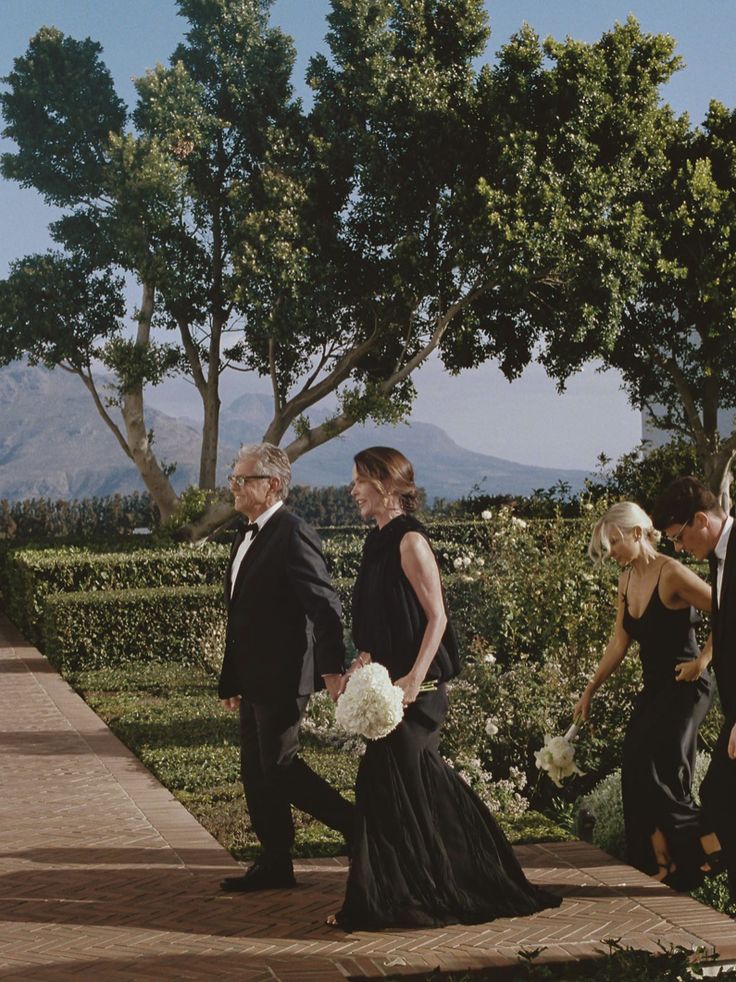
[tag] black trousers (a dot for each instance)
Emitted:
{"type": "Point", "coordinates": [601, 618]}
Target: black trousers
{"type": "Point", "coordinates": [718, 802]}
{"type": "Point", "coordinates": [275, 777]}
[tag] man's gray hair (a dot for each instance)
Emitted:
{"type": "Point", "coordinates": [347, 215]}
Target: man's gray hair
{"type": "Point", "coordinates": [272, 461]}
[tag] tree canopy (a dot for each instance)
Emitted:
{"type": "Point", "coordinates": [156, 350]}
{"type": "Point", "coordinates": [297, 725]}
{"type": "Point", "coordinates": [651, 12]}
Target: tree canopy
{"type": "Point", "coordinates": [422, 204]}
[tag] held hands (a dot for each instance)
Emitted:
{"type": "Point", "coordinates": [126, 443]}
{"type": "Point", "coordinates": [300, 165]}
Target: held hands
{"type": "Point", "coordinates": [335, 684]}
{"type": "Point", "coordinates": [232, 703]}
{"type": "Point", "coordinates": [689, 671]}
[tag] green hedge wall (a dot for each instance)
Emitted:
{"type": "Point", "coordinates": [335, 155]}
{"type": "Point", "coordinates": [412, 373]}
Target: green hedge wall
{"type": "Point", "coordinates": [84, 631]}
{"type": "Point", "coordinates": [29, 576]}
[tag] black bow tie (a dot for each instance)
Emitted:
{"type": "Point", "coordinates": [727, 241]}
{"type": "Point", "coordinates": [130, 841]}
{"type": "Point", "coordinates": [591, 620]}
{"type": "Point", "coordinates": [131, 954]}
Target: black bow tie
{"type": "Point", "coordinates": [250, 527]}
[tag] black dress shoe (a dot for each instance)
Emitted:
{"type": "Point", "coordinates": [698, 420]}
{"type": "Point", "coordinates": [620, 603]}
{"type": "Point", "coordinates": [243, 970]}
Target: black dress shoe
{"type": "Point", "coordinates": [260, 877]}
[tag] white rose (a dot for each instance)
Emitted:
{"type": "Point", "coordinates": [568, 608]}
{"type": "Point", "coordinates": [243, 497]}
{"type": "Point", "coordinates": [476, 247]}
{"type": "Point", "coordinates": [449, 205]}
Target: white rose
{"type": "Point", "coordinates": [458, 563]}
{"type": "Point", "coordinates": [562, 752]}
{"type": "Point", "coordinates": [486, 515]}
{"type": "Point", "coordinates": [491, 728]}
{"type": "Point", "coordinates": [489, 658]}
{"type": "Point", "coordinates": [544, 758]}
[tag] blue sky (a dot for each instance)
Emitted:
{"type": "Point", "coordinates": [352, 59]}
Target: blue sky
{"type": "Point", "coordinates": [526, 420]}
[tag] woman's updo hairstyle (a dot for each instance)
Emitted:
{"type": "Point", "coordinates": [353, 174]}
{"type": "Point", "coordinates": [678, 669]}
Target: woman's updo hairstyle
{"type": "Point", "coordinates": [385, 467]}
{"type": "Point", "coordinates": [623, 517]}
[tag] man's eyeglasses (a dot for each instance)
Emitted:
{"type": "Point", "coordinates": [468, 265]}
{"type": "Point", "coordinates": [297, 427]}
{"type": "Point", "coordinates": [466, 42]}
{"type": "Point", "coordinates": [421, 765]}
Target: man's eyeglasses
{"type": "Point", "coordinates": [240, 480]}
{"type": "Point", "coordinates": [675, 539]}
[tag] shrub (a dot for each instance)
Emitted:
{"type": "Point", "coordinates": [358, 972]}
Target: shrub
{"type": "Point", "coordinates": [44, 518]}
{"type": "Point", "coordinates": [605, 804]}
{"type": "Point", "coordinates": [116, 627]}
{"type": "Point", "coordinates": [29, 576]}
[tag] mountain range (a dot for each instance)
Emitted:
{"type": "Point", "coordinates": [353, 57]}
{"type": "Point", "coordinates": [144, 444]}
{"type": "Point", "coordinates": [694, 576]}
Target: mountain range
{"type": "Point", "coordinates": [54, 444]}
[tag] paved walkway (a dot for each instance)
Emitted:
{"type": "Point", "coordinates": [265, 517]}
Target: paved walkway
{"type": "Point", "coordinates": [103, 874]}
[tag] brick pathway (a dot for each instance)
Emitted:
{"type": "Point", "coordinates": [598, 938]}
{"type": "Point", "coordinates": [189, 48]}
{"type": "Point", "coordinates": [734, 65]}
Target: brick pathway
{"type": "Point", "coordinates": [103, 874]}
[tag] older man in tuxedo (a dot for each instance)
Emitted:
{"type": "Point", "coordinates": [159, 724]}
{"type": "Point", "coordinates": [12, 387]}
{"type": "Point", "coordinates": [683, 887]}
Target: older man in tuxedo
{"type": "Point", "coordinates": [692, 518]}
{"type": "Point", "coordinates": [284, 641]}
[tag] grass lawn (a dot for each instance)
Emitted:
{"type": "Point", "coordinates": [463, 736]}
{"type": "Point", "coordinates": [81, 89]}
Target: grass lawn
{"type": "Point", "coordinates": [170, 717]}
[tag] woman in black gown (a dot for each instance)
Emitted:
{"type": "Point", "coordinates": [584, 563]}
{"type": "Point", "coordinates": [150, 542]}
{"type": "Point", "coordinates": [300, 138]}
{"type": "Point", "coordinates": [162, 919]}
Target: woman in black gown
{"type": "Point", "coordinates": [426, 850]}
{"type": "Point", "coordinates": [655, 600]}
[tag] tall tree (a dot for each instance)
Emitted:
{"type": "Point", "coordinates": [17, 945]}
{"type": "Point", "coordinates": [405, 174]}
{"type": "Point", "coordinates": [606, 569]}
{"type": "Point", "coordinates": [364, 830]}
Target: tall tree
{"type": "Point", "coordinates": [677, 342]}
{"type": "Point", "coordinates": [119, 191]}
{"type": "Point", "coordinates": [478, 213]}
{"type": "Point", "coordinates": [424, 205]}
{"type": "Point", "coordinates": [157, 203]}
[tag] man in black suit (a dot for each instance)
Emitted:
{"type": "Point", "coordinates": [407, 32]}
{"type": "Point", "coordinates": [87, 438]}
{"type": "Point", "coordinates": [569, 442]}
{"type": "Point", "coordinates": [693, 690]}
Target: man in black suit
{"type": "Point", "coordinates": [692, 518]}
{"type": "Point", "coordinates": [284, 641]}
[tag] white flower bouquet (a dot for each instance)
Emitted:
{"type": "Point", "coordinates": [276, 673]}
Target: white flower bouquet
{"type": "Point", "coordinates": [371, 705]}
{"type": "Point", "coordinates": [557, 756]}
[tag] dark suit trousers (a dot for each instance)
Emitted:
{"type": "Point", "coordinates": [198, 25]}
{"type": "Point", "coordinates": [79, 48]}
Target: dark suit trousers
{"type": "Point", "coordinates": [275, 777]}
{"type": "Point", "coordinates": [718, 802]}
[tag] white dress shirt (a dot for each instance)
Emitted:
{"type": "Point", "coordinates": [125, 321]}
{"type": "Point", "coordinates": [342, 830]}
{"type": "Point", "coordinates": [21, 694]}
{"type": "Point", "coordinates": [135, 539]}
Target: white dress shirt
{"type": "Point", "coordinates": [720, 552]}
{"type": "Point", "coordinates": [246, 543]}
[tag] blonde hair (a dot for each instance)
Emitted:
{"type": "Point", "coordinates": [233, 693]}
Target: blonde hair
{"type": "Point", "coordinates": [623, 517]}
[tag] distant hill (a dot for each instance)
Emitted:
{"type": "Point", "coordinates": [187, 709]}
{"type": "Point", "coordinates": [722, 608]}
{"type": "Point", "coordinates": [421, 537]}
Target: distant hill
{"type": "Point", "coordinates": [53, 444]}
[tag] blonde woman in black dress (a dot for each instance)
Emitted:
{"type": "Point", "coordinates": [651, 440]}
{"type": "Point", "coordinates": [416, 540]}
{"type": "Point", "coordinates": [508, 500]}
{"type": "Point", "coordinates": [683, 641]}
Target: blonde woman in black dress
{"type": "Point", "coordinates": [426, 850]}
{"type": "Point", "coordinates": [656, 595]}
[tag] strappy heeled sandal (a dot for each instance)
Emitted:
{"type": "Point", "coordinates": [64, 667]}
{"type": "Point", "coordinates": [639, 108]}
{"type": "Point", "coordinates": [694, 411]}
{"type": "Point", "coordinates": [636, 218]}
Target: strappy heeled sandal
{"type": "Point", "coordinates": [714, 861]}
{"type": "Point", "coordinates": [669, 867]}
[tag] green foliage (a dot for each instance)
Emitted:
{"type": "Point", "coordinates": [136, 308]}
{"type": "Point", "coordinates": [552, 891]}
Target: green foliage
{"type": "Point", "coordinates": [675, 344]}
{"type": "Point", "coordinates": [643, 473]}
{"type": "Point", "coordinates": [170, 716]}
{"type": "Point", "coordinates": [87, 520]}
{"type": "Point", "coordinates": [58, 309]}
{"type": "Point", "coordinates": [604, 804]}
{"type": "Point", "coordinates": [114, 627]}
{"type": "Point", "coordinates": [60, 107]}
{"type": "Point", "coordinates": [615, 963]}
{"type": "Point", "coordinates": [29, 576]}
{"type": "Point", "coordinates": [192, 504]}
{"type": "Point", "coordinates": [343, 242]}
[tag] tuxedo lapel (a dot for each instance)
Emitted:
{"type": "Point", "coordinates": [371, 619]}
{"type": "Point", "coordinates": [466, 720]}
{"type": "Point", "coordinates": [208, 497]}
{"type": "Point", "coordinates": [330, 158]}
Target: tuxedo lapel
{"type": "Point", "coordinates": [255, 549]}
{"type": "Point", "coordinates": [729, 569]}
{"type": "Point", "coordinates": [235, 545]}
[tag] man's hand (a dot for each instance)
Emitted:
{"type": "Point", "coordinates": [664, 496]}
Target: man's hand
{"type": "Point", "coordinates": [688, 671]}
{"type": "Point", "coordinates": [732, 743]}
{"type": "Point", "coordinates": [233, 702]}
{"type": "Point", "coordinates": [334, 685]}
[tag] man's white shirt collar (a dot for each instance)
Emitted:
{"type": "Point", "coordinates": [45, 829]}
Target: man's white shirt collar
{"type": "Point", "coordinates": [720, 553]}
{"type": "Point", "coordinates": [262, 519]}
{"type": "Point", "coordinates": [722, 545]}
{"type": "Point", "coordinates": [246, 543]}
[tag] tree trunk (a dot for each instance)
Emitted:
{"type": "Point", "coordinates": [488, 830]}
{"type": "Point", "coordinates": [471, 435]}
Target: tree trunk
{"type": "Point", "coordinates": [210, 432]}
{"type": "Point", "coordinates": [156, 482]}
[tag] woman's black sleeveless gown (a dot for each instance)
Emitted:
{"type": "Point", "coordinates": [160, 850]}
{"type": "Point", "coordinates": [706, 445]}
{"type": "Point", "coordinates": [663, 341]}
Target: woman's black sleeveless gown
{"type": "Point", "coordinates": [426, 850]}
{"type": "Point", "coordinates": [661, 743]}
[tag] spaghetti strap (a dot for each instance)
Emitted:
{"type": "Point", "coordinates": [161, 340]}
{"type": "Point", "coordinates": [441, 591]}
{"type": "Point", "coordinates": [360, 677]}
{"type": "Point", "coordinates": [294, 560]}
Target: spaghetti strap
{"type": "Point", "coordinates": [665, 563]}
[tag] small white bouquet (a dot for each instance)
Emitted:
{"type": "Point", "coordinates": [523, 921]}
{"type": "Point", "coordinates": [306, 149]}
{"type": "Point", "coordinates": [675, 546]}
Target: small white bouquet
{"type": "Point", "coordinates": [371, 704]}
{"type": "Point", "coordinates": [557, 756]}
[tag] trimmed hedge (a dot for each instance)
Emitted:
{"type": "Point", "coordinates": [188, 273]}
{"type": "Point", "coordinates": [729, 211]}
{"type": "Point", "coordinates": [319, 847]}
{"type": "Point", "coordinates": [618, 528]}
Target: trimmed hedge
{"type": "Point", "coordinates": [29, 576]}
{"type": "Point", "coordinates": [118, 627]}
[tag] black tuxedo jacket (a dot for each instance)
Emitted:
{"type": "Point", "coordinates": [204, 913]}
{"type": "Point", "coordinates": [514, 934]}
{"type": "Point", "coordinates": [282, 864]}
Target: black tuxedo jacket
{"type": "Point", "coordinates": [284, 628]}
{"type": "Point", "coordinates": [724, 631]}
